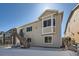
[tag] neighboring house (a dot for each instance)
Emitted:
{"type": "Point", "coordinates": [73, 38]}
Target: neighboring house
{"type": "Point", "coordinates": [8, 38]}
{"type": "Point", "coordinates": [72, 26]}
{"type": "Point", "coordinates": [46, 31]}
{"type": "Point", "coordinates": [1, 37]}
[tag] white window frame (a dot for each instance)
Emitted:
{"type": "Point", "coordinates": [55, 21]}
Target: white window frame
{"type": "Point", "coordinates": [46, 18]}
{"type": "Point", "coordinates": [51, 40]}
{"type": "Point", "coordinates": [52, 24]}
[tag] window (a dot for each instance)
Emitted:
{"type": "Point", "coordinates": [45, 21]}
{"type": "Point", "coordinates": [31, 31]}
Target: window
{"type": "Point", "coordinates": [47, 23]}
{"type": "Point", "coordinates": [21, 33]}
{"type": "Point", "coordinates": [29, 29]}
{"type": "Point", "coordinates": [54, 22]}
{"type": "Point", "coordinates": [48, 39]}
{"type": "Point", "coordinates": [28, 39]}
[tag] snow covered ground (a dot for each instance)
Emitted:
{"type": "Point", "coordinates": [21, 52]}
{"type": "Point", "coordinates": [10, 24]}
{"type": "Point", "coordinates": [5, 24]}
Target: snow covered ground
{"type": "Point", "coordinates": [35, 51]}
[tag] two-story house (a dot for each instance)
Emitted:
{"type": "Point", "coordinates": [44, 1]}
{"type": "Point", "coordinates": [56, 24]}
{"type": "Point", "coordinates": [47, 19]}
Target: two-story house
{"type": "Point", "coordinates": [46, 31]}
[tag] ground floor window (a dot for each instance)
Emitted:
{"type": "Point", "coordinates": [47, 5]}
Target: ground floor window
{"type": "Point", "coordinates": [48, 39]}
{"type": "Point", "coordinates": [29, 39]}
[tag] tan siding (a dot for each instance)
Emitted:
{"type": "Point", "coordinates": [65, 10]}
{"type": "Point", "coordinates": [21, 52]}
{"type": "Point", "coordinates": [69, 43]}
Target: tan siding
{"type": "Point", "coordinates": [37, 36]}
{"type": "Point", "coordinates": [47, 29]}
{"type": "Point", "coordinates": [73, 24]}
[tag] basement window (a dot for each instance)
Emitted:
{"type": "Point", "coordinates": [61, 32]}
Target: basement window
{"type": "Point", "coordinates": [48, 39]}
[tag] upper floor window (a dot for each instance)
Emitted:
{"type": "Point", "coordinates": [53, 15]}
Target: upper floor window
{"type": "Point", "coordinates": [54, 22]}
{"type": "Point", "coordinates": [29, 29]}
{"type": "Point", "coordinates": [47, 23]}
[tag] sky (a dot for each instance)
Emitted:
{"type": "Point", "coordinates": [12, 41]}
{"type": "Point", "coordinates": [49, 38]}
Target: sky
{"type": "Point", "coordinates": [14, 15]}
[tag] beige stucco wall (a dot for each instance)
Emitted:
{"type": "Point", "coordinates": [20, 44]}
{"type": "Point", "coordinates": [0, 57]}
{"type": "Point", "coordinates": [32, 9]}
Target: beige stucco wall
{"type": "Point", "coordinates": [35, 34]}
{"type": "Point", "coordinates": [73, 25]}
{"type": "Point", "coordinates": [38, 37]}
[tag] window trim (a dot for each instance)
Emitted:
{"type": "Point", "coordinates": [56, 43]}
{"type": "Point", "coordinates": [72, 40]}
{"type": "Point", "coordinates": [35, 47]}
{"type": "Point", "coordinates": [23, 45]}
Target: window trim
{"type": "Point", "coordinates": [50, 17]}
{"type": "Point", "coordinates": [29, 29]}
{"type": "Point", "coordinates": [48, 42]}
{"type": "Point", "coordinates": [52, 24]}
{"type": "Point", "coordinates": [47, 22]}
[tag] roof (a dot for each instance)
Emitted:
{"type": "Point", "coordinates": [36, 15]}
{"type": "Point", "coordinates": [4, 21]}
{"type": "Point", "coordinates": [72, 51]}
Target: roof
{"type": "Point", "coordinates": [48, 10]}
{"type": "Point", "coordinates": [77, 6]}
{"type": "Point", "coordinates": [28, 24]}
{"type": "Point", "coordinates": [51, 11]}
